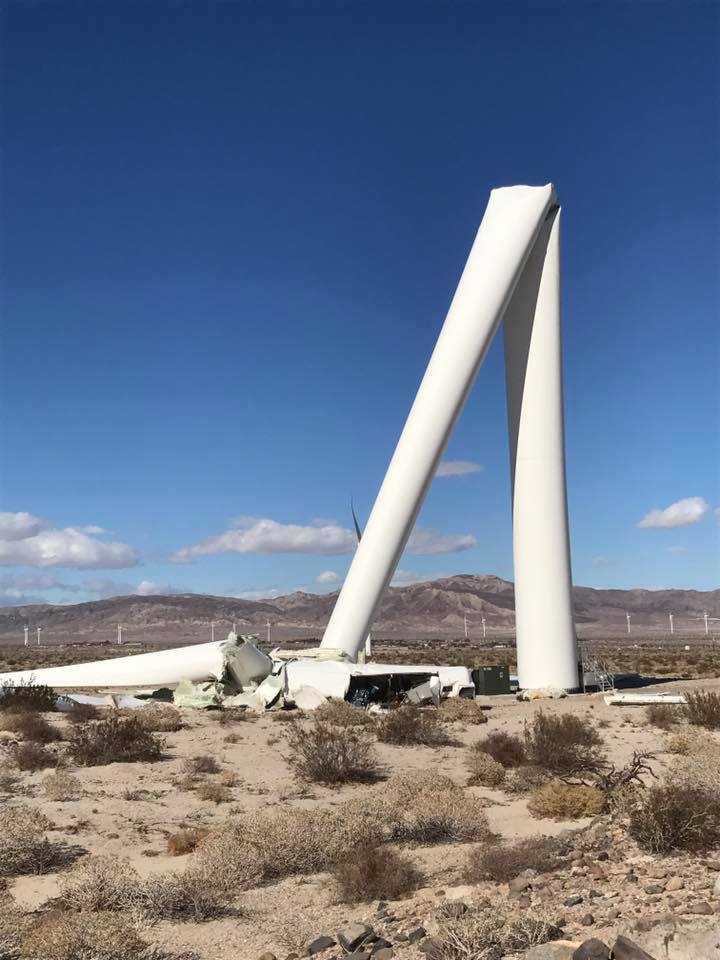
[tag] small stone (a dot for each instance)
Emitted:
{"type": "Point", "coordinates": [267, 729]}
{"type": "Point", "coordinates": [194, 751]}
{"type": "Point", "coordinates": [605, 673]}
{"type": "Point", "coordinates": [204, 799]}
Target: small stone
{"type": "Point", "coordinates": [384, 953]}
{"type": "Point", "coordinates": [702, 909]}
{"type": "Point", "coordinates": [573, 901]}
{"type": "Point", "coordinates": [592, 949]}
{"type": "Point", "coordinates": [352, 936]}
{"type": "Point", "coordinates": [518, 884]}
{"type": "Point", "coordinates": [380, 944]}
{"type": "Point", "coordinates": [626, 949]}
{"type": "Point", "coordinates": [713, 865]}
{"type": "Point", "coordinates": [267, 956]}
{"type": "Point", "coordinates": [716, 889]}
{"type": "Point", "coordinates": [459, 893]}
{"type": "Point", "coordinates": [674, 883]}
{"type": "Point", "coordinates": [588, 920]}
{"type": "Point", "coordinates": [654, 888]}
{"type": "Point", "coordinates": [317, 946]}
{"type": "Point", "coordinates": [419, 933]}
{"type": "Point", "coordinates": [603, 855]}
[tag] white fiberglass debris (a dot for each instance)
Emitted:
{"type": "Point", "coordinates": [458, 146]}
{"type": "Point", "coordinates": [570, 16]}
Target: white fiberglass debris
{"type": "Point", "coordinates": [642, 699]}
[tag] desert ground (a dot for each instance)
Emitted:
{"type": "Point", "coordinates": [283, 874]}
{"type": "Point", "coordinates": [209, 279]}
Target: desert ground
{"type": "Point", "coordinates": [600, 877]}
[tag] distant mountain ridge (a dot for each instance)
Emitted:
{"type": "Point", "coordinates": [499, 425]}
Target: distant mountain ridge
{"type": "Point", "coordinates": [426, 609]}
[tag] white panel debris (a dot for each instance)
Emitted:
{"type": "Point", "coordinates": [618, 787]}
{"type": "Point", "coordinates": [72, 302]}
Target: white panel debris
{"type": "Point", "coordinates": [642, 699]}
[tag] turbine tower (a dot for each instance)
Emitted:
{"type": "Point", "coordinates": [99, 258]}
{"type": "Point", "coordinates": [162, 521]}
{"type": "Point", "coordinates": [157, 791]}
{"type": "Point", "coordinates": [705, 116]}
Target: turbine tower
{"type": "Point", "coordinates": [512, 272]}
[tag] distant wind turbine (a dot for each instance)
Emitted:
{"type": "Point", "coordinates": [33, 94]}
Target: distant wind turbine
{"type": "Point", "coordinates": [672, 628]}
{"type": "Point", "coordinates": [483, 626]}
{"type": "Point", "coordinates": [38, 635]}
{"type": "Point", "coordinates": [120, 638]}
{"type": "Point", "coordinates": [465, 624]}
{"type": "Point", "coordinates": [706, 618]}
{"type": "Point", "coordinates": [627, 617]}
{"type": "Point", "coordinates": [27, 631]}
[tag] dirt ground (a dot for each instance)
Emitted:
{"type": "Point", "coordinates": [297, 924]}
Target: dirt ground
{"type": "Point", "coordinates": [130, 809]}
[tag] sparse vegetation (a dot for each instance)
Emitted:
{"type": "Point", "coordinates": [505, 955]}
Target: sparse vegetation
{"type": "Point", "coordinates": [113, 740]}
{"type": "Point", "coordinates": [376, 874]}
{"type": "Point", "coordinates": [558, 800]}
{"type": "Point", "coordinates": [62, 786]}
{"type": "Point", "coordinates": [157, 717]}
{"type": "Point", "coordinates": [214, 792]}
{"type": "Point", "coordinates": [24, 847]}
{"type": "Point", "coordinates": [563, 744]}
{"type": "Point", "coordinates": [34, 697]}
{"type": "Point", "coordinates": [413, 725]}
{"type": "Point", "coordinates": [438, 816]}
{"type": "Point", "coordinates": [702, 709]}
{"type": "Point", "coordinates": [100, 883]}
{"type": "Point", "coordinates": [30, 756]}
{"type": "Point", "coordinates": [505, 748]}
{"type": "Point", "coordinates": [483, 770]}
{"type": "Point", "coordinates": [676, 816]}
{"type": "Point", "coordinates": [82, 936]}
{"type": "Point", "coordinates": [663, 715]}
{"type": "Point", "coordinates": [487, 935]}
{"type": "Point", "coordinates": [342, 714]}
{"type": "Point", "coordinates": [505, 861]}
{"type": "Point", "coordinates": [82, 713]}
{"type": "Point", "coordinates": [194, 766]}
{"type": "Point", "coordinates": [328, 754]}
{"type": "Point", "coordinates": [185, 841]}
{"type": "Point", "coordinates": [461, 710]}
{"type": "Point", "coordinates": [28, 725]}
{"type": "Point", "coordinates": [526, 778]}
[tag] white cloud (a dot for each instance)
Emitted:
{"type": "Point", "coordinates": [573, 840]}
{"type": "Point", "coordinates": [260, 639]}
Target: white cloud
{"type": "Point", "coordinates": [19, 526]}
{"type": "Point", "coordinates": [26, 540]}
{"type": "Point", "coordinates": [104, 588]}
{"type": "Point", "coordinates": [328, 576]}
{"type": "Point", "coordinates": [403, 578]}
{"type": "Point", "coordinates": [682, 513]}
{"type": "Point", "coordinates": [457, 468]}
{"type": "Point", "coordinates": [676, 549]}
{"type": "Point", "coordinates": [92, 528]}
{"type": "Point", "coordinates": [260, 593]}
{"type": "Point", "coordinates": [423, 543]}
{"type": "Point", "coordinates": [262, 535]}
{"type": "Point", "coordinates": [600, 561]}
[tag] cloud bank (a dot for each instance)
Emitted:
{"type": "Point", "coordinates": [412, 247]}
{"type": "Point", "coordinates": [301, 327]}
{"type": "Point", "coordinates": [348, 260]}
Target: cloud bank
{"type": "Point", "coordinates": [26, 540]}
{"type": "Point", "coordinates": [457, 468]}
{"type": "Point", "coordinates": [682, 513]}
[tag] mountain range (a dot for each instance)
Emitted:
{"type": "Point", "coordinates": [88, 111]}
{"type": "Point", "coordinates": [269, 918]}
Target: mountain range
{"type": "Point", "coordinates": [435, 608]}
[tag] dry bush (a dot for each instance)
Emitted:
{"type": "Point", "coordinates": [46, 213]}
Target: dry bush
{"type": "Point", "coordinates": [35, 697]}
{"type": "Point", "coordinates": [327, 754]}
{"type": "Point", "coordinates": [14, 924]}
{"type": "Point", "coordinates": [483, 770]}
{"type": "Point", "coordinates": [557, 800]}
{"type": "Point", "coordinates": [82, 712]}
{"type": "Point", "coordinates": [563, 744]}
{"type": "Point", "coordinates": [702, 709]}
{"type": "Point", "coordinates": [29, 726]}
{"type": "Point", "coordinates": [411, 725]}
{"type": "Point", "coordinates": [286, 716]}
{"type": "Point", "coordinates": [228, 715]}
{"type": "Point", "coordinates": [476, 935]}
{"type": "Point", "coordinates": [100, 883]}
{"type": "Point", "coordinates": [62, 786]}
{"type": "Point", "coordinates": [31, 756]}
{"type": "Point", "coordinates": [506, 748]}
{"type": "Point", "coordinates": [342, 714]}
{"type": "Point", "coordinates": [439, 817]}
{"type": "Point", "coordinates": [376, 874]}
{"type": "Point", "coordinates": [24, 848]}
{"type": "Point", "coordinates": [524, 779]}
{"type": "Point", "coordinates": [676, 816]}
{"type": "Point", "coordinates": [201, 764]}
{"type": "Point", "coordinates": [157, 717]}
{"type": "Point", "coordinates": [8, 779]}
{"type": "Point", "coordinates": [185, 841]}
{"type": "Point", "coordinates": [113, 740]}
{"type": "Point", "coordinates": [504, 861]}
{"type": "Point", "coordinates": [404, 788]}
{"type": "Point", "coordinates": [81, 936]}
{"type": "Point", "coordinates": [525, 930]}
{"type": "Point", "coordinates": [200, 892]}
{"type": "Point", "coordinates": [462, 710]}
{"type": "Point", "coordinates": [663, 715]}
{"type": "Point", "coordinates": [214, 792]}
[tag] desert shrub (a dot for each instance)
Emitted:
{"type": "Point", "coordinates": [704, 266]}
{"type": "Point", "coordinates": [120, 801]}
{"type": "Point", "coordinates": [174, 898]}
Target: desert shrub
{"type": "Point", "coordinates": [404, 788]}
{"type": "Point", "coordinates": [461, 710]}
{"type": "Point", "coordinates": [61, 786]}
{"type": "Point", "coordinates": [439, 817]}
{"type": "Point", "coordinates": [688, 743]}
{"type": "Point", "coordinates": [702, 709]}
{"type": "Point", "coordinates": [526, 778]}
{"type": "Point", "coordinates": [477, 935]}
{"type": "Point", "coordinates": [214, 792]}
{"type": "Point", "coordinates": [8, 779]}
{"type": "Point", "coordinates": [157, 717]}
{"type": "Point", "coordinates": [525, 930]}
{"type": "Point", "coordinates": [504, 861]}
{"type": "Point", "coordinates": [113, 740]}
{"type": "Point", "coordinates": [676, 816]}
{"type": "Point", "coordinates": [82, 712]}
{"type": "Point", "coordinates": [328, 754]}
{"type": "Point", "coordinates": [24, 848]}
{"type": "Point", "coordinates": [285, 716]}
{"type": "Point", "coordinates": [29, 726]}
{"type": "Point", "coordinates": [185, 841]}
{"type": "Point", "coordinates": [201, 764]}
{"type": "Point", "coordinates": [14, 924]}
{"type": "Point", "coordinates": [376, 874]}
{"type": "Point", "coordinates": [563, 744]}
{"type": "Point", "coordinates": [484, 770]}
{"type": "Point", "coordinates": [342, 714]}
{"type": "Point", "coordinates": [506, 748]}
{"type": "Point", "coordinates": [27, 697]}
{"type": "Point", "coordinates": [82, 936]}
{"type": "Point", "coordinates": [199, 892]}
{"type": "Point", "coordinates": [413, 725]}
{"type": "Point", "coordinates": [557, 800]}
{"type": "Point", "coordinates": [663, 715]}
{"type": "Point", "coordinates": [100, 883]}
{"type": "Point", "coordinates": [30, 756]}
{"type": "Point", "coordinates": [228, 715]}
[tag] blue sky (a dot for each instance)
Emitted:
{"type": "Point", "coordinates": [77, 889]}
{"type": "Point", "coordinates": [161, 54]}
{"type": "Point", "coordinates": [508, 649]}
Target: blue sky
{"type": "Point", "coordinates": [229, 236]}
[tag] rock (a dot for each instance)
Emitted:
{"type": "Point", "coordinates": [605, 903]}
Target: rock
{"type": "Point", "coordinates": [625, 949]}
{"type": "Point", "coordinates": [357, 955]}
{"type": "Point", "coordinates": [653, 888]}
{"type": "Point", "coordinates": [384, 953]}
{"type": "Point", "coordinates": [573, 901]}
{"type": "Point", "coordinates": [701, 909]}
{"type": "Point", "coordinates": [716, 889]}
{"type": "Point", "coordinates": [713, 865]}
{"type": "Point", "coordinates": [553, 950]}
{"type": "Point", "coordinates": [518, 884]}
{"type": "Point", "coordinates": [380, 944]}
{"type": "Point", "coordinates": [674, 883]}
{"type": "Point", "coordinates": [592, 949]}
{"type": "Point", "coordinates": [459, 893]}
{"type": "Point", "coordinates": [317, 946]}
{"type": "Point", "coordinates": [588, 920]}
{"type": "Point", "coordinates": [419, 933]}
{"type": "Point", "coordinates": [352, 936]}
{"type": "Point", "coordinates": [603, 855]}
{"type": "Point", "coordinates": [267, 956]}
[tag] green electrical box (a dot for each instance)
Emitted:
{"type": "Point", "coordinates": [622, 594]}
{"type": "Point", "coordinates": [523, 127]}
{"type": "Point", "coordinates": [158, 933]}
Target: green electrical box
{"type": "Point", "coordinates": [491, 681]}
